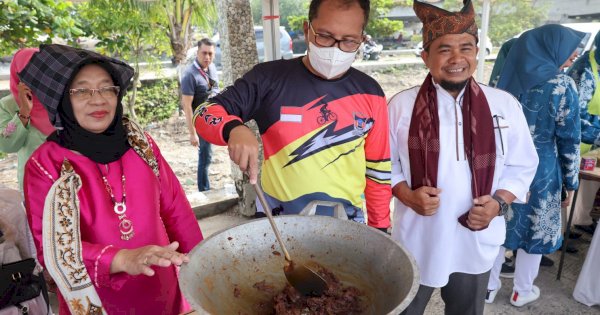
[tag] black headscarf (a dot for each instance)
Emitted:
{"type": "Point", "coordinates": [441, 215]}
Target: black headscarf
{"type": "Point", "coordinates": [50, 72]}
{"type": "Point", "coordinates": [104, 147]}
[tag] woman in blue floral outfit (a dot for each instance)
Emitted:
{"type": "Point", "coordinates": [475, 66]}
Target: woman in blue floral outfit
{"type": "Point", "coordinates": [532, 73]}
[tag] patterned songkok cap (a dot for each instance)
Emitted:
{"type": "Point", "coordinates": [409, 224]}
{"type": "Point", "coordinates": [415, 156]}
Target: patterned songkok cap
{"type": "Point", "coordinates": [439, 22]}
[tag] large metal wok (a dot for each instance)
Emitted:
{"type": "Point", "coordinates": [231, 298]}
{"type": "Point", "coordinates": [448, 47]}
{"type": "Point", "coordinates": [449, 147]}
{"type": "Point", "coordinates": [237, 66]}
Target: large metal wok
{"type": "Point", "coordinates": [223, 268]}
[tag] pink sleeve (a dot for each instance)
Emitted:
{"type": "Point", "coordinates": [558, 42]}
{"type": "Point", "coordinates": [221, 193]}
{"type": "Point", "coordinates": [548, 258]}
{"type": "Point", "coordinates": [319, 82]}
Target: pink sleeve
{"type": "Point", "coordinates": [378, 192]}
{"type": "Point", "coordinates": [39, 177]}
{"type": "Point", "coordinates": [176, 212]}
{"type": "Point", "coordinates": [97, 259]}
{"type": "Point", "coordinates": [36, 184]}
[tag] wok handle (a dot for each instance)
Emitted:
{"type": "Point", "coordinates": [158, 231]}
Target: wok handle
{"type": "Point", "coordinates": [267, 208]}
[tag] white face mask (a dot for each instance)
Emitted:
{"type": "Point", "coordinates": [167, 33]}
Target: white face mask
{"type": "Point", "coordinates": [329, 61]}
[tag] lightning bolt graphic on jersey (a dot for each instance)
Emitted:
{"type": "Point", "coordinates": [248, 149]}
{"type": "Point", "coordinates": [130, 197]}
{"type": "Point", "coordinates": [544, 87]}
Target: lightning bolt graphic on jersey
{"type": "Point", "coordinates": [326, 138]}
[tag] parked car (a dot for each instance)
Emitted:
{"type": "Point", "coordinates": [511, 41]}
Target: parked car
{"type": "Point", "coordinates": [488, 46]}
{"type": "Point", "coordinates": [285, 43]}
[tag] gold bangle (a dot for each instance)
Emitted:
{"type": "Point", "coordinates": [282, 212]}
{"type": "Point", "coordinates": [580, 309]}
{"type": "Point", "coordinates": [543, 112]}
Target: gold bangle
{"type": "Point", "coordinates": [23, 116]}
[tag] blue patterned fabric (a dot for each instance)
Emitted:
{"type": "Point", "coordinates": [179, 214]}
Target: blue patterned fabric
{"type": "Point", "coordinates": [500, 60]}
{"type": "Point", "coordinates": [552, 113]}
{"type": "Point", "coordinates": [581, 72]}
{"type": "Point", "coordinates": [536, 57]}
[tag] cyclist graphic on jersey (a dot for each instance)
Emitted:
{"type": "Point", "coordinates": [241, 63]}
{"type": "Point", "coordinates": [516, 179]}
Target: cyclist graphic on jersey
{"type": "Point", "coordinates": [326, 115]}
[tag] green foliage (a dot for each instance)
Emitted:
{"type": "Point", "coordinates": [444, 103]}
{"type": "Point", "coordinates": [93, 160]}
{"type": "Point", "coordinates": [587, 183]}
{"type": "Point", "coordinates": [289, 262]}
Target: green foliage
{"type": "Point", "coordinates": [508, 17]}
{"type": "Point", "coordinates": [382, 27]}
{"type": "Point", "coordinates": [157, 101]}
{"type": "Point", "coordinates": [175, 19]}
{"type": "Point", "coordinates": [124, 30]}
{"type": "Point", "coordinates": [515, 16]}
{"type": "Point", "coordinates": [28, 23]}
{"type": "Point", "coordinates": [379, 26]}
{"type": "Point", "coordinates": [289, 12]}
{"type": "Point", "coordinates": [296, 23]}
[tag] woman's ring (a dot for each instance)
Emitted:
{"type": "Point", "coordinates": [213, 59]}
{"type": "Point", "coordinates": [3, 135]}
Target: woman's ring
{"type": "Point", "coordinates": [146, 261]}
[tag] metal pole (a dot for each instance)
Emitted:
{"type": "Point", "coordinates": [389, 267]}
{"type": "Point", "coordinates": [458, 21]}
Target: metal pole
{"type": "Point", "coordinates": [270, 11]}
{"type": "Point", "coordinates": [485, 20]}
{"type": "Point", "coordinates": [567, 233]}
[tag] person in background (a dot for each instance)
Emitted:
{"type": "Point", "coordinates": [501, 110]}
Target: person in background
{"type": "Point", "coordinates": [533, 74]}
{"type": "Point", "coordinates": [461, 153]}
{"type": "Point", "coordinates": [499, 63]}
{"type": "Point", "coordinates": [311, 153]}
{"type": "Point", "coordinates": [199, 82]}
{"type": "Point", "coordinates": [508, 268]}
{"type": "Point", "coordinates": [24, 123]}
{"type": "Point", "coordinates": [585, 74]}
{"type": "Point", "coordinates": [109, 219]}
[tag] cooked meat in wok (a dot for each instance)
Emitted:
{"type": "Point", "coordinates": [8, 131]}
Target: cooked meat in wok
{"type": "Point", "coordinates": [338, 299]}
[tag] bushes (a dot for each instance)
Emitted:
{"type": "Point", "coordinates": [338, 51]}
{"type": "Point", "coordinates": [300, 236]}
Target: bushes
{"type": "Point", "coordinates": [156, 101]}
{"type": "Point", "coordinates": [415, 39]}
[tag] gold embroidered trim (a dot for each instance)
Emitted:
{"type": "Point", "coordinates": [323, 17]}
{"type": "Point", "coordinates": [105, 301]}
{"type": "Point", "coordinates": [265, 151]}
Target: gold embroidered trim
{"type": "Point", "coordinates": [140, 144]}
{"type": "Point", "coordinates": [64, 212]}
{"type": "Point", "coordinates": [79, 308]}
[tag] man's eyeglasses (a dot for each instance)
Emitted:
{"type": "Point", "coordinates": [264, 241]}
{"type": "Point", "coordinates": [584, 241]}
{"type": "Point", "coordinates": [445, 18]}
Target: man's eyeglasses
{"type": "Point", "coordinates": [108, 92]}
{"type": "Point", "coordinates": [345, 45]}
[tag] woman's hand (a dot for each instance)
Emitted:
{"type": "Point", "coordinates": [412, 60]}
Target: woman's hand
{"type": "Point", "coordinates": [568, 200]}
{"type": "Point", "coordinates": [138, 261]}
{"type": "Point", "coordinates": [25, 101]}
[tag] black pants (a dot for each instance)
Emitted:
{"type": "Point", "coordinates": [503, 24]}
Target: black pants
{"type": "Point", "coordinates": [463, 295]}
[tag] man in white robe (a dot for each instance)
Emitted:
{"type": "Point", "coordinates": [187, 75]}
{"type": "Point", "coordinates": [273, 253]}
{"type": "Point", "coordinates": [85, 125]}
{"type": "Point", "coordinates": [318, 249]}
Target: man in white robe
{"type": "Point", "coordinates": [461, 153]}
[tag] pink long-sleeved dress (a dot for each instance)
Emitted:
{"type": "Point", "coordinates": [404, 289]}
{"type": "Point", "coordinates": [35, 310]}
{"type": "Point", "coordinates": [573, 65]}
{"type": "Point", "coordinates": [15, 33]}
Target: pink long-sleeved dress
{"type": "Point", "coordinates": [157, 207]}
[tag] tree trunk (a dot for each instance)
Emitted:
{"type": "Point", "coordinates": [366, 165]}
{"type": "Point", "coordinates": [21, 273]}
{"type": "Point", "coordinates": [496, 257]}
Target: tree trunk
{"type": "Point", "coordinates": [238, 48]}
{"type": "Point", "coordinates": [180, 43]}
{"type": "Point", "coordinates": [136, 80]}
{"type": "Point", "coordinates": [178, 50]}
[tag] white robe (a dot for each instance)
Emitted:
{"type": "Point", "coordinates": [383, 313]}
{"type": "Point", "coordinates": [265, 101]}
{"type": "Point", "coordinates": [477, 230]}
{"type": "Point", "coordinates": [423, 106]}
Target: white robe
{"type": "Point", "coordinates": [440, 245]}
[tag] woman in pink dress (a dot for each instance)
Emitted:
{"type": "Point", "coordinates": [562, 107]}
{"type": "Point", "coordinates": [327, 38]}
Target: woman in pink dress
{"type": "Point", "coordinates": [109, 218]}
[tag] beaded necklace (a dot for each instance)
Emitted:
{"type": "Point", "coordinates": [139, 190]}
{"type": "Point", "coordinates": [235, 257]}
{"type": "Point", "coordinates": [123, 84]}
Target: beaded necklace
{"type": "Point", "coordinates": [125, 225]}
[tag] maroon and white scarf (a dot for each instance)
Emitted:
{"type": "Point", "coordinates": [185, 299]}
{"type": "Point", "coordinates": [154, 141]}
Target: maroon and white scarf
{"type": "Point", "coordinates": [478, 133]}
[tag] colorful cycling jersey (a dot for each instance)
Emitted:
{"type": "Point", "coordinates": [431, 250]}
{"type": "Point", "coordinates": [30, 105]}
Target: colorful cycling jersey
{"type": "Point", "coordinates": [323, 139]}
